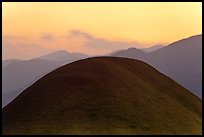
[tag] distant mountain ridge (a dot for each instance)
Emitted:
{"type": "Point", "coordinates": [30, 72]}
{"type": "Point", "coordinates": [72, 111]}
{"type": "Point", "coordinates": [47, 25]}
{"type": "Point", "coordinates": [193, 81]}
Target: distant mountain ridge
{"type": "Point", "coordinates": [151, 49]}
{"type": "Point", "coordinates": [19, 74]}
{"type": "Point", "coordinates": [180, 60]}
{"type": "Point", "coordinates": [9, 61]}
{"type": "Point", "coordinates": [63, 55]}
{"type": "Point", "coordinates": [132, 53]}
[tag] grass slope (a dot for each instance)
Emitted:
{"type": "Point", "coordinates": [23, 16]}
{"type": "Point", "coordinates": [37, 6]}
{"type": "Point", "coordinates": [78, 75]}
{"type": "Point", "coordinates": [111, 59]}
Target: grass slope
{"type": "Point", "coordinates": [104, 95]}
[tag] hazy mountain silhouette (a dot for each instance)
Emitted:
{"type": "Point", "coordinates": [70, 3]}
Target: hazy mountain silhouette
{"type": "Point", "coordinates": [112, 52]}
{"type": "Point", "coordinates": [153, 48]}
{"type": "Point", "coordinates": [181, 60]}
{"type": "Point", "coordinates": [9, 61]}
{"type": "Point", "coordinates": [63, 56]}
{"type": "Point", "coordinates": [132, 53]}
{"type": "Point", "coordinates": [20, 74]}
{"type": "Point", "coordinates": [104, 95]}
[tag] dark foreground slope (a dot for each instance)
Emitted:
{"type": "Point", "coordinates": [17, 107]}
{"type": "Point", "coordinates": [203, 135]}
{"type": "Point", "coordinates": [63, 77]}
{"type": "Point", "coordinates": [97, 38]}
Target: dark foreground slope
{"type": "Point", "coordinates": [104, 95]}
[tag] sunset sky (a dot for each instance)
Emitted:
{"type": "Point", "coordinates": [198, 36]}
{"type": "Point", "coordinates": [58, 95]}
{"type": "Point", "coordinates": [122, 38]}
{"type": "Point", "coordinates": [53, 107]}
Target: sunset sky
{"type": "Point", "coordinates": [34, 29]}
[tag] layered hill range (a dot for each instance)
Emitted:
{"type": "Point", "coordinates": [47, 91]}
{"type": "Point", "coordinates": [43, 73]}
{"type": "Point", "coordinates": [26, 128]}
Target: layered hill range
{"type": "Point", "coordinates": [20, 74]}
{"type": "Point", "coordinates": [180, 60]}
{"type": "Point", "coordinates": [17, 75]}
{"type": "Point", "coordinates": [104, 95]}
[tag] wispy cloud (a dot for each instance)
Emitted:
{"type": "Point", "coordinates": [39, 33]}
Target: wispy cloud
{"type": "Point", "coordinates": [100, 43]}
{"type": "Point", "coordinates": [78, 33]}
{"type": "Point", "coordinates": [47, 37]}
{"type": "Point", "coordinates": [21, 47]}
{"type": "Point", "coordinates": [76, 41]}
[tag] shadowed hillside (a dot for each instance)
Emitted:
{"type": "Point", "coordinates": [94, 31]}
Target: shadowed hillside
{"type": "Point", "coordinates": [104, 95]}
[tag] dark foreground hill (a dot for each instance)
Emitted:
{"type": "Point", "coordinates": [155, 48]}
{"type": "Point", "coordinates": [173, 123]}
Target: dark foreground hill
{"type": "Point", "coordinates": [104, 95]}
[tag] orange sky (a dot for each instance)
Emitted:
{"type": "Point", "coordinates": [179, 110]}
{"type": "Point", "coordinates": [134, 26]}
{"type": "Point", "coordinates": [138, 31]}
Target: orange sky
{"type": "Point", "coordinates": [94, 28]}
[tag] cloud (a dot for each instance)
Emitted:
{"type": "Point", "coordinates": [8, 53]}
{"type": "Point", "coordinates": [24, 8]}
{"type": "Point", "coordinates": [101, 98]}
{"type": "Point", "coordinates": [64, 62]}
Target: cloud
{"type": "Point", "coordinates": [76, 41]}
{"type": "Point", "coordinates": [78, 33]}
{"type": "Point", "coordinates": [100, 43]}
{"type": "Point", "coordinates": [105, 44]}
{"type": "Point", "coordinates": [6, 38]}
{"type": "Point", "coordinates": [10, 41]}
{"type": "Point", "coordinates": [20, 48]}
{"type": "Point", "coordinates": [47, 37]}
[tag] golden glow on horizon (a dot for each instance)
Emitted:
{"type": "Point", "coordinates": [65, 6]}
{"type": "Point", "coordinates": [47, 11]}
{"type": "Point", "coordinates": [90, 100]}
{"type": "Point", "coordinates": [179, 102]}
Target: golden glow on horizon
{"type": "Point", "coordinates": [146, 23]}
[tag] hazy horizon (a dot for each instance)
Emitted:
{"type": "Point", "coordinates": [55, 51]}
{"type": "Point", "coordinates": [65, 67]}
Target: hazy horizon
{"type": "Point", "coordinates": [31, 30]}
